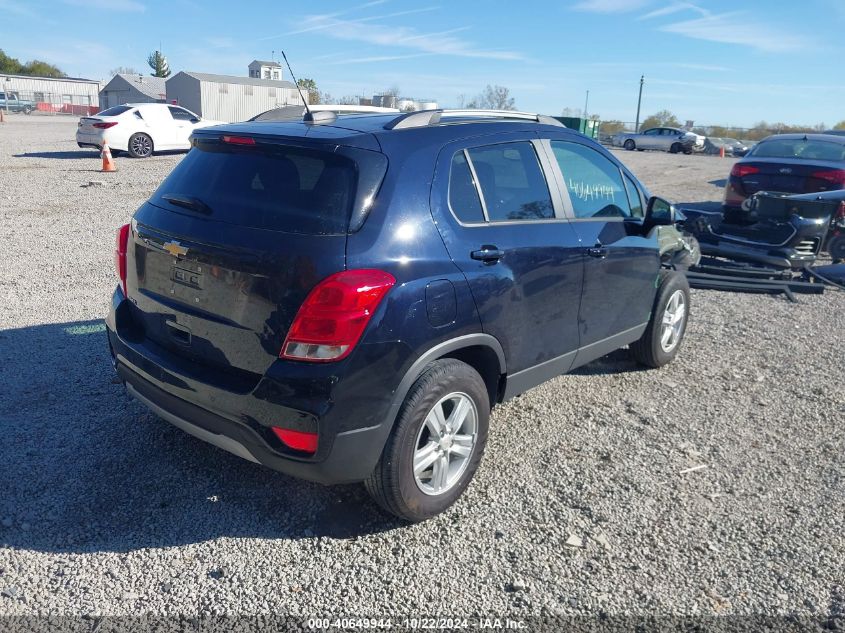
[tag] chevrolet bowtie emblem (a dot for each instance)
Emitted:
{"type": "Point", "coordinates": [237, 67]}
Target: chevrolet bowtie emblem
{"type": "Point", "coordinates": [175, 249]}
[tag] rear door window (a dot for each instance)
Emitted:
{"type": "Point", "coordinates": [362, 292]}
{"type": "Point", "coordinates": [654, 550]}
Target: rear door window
{"type": "Point", "coordinates": [289, 189]}
{"type": "Point", "coordinates": [511, 181]}
{"type": "Point", "coordinates": [593, 181]}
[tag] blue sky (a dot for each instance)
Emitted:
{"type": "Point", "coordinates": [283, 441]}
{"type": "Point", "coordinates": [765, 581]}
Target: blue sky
{"type": "Point", "coordinates": [712, 61]}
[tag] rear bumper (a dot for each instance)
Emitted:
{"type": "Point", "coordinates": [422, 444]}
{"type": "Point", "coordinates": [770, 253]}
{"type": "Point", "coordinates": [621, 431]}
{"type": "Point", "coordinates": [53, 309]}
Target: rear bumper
{"type": "Point", "coordinates": [238, 421]}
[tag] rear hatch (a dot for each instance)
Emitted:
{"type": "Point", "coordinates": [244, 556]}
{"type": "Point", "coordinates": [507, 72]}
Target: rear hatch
{"type": "Point", "coordinates": [229, 246]}
{"type": "Point", "coordinates": [794, 166]}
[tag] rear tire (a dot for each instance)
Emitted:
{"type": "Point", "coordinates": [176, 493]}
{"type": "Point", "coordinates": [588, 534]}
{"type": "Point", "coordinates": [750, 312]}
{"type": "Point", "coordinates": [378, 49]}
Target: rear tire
{"type": "Point", "coordinates": [662, 339]}
{"type": "Point", "coordinates": [140, 145]}
{"type": "Point", "coordinates": [630, 145]}
{"type": "Point", "coordinates": [423, 471]}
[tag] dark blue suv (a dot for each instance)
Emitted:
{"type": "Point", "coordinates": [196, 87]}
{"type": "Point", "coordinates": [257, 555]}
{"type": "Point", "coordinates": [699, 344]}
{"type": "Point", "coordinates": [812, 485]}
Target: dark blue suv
{"type": "Point", "coordinates": [345, 298]}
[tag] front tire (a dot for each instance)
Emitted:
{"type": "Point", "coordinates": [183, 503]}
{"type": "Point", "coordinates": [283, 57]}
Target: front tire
{"type": "Point", "coordinates": [662, 339]}
{"type": "Point", "coordinates": [676, 148]}
{"type": "Point", "coordinates": [630, 145]}
{"type": "Point", "coordinates": [140, 145]}
{"type": "Point", "coordinates": [436, 445]}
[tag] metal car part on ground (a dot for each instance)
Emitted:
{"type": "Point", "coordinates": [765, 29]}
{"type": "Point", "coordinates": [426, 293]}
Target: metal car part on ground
{"type": "Point", "coordinates": [780, 231]}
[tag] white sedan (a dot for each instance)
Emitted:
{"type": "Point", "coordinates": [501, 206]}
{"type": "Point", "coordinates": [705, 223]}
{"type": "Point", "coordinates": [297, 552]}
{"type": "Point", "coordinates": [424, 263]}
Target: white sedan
{"type": "Point", "coordinates": [140, 128]}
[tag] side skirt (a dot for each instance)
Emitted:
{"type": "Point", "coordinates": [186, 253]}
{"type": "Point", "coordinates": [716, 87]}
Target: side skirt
{"type": "Point", "coordinates": [528, 378]}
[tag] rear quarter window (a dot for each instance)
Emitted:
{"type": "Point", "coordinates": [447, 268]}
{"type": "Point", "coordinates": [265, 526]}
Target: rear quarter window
{"type": "Point", "coordinates": [115, 111]}
{"type": "Point", "coordinates": [288, 189]}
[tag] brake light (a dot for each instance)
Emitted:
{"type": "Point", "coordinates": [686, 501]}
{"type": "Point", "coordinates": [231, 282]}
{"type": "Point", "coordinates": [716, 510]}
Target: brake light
{"type": "Point", "coordinates": [334, 315]}
{"type": "Point", "coordinates": [120, 245]}
{"type": "Point", "coordinates": [239, 140]}
{"type": "Point", "coordinates": [833, 176]}
{"type": "Point", "coordinates": [297, 440]}
{"type": "Point", "coordinates": [740, 171]}
{"type": "Point", "coordinates": [104, 125]}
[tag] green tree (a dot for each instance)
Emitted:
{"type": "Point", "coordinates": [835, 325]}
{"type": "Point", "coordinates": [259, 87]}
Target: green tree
{"type": "Point", "coordinates": [309, 86]}
{"type": "Point", "coordinates": [34, 67]}
{"type": "Point", "coordinates": [612, 127]}
{"type": "Point", "coordinates": [10, 65]}
{"type": "Point", "coordinates": [839, 126]}
{"type": "Point", "coordinates": [158, 63]}
{"type": "Point", "coordinates": [664, 118]}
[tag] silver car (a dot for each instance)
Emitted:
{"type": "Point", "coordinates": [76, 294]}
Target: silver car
{"type": "Point", "coordinates": [666, 139]}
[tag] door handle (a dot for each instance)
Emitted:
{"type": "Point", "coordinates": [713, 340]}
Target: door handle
{"type": "Point", "coordinates": [488, 254]}
{"type": "Point", "coordinates": [598, 251]}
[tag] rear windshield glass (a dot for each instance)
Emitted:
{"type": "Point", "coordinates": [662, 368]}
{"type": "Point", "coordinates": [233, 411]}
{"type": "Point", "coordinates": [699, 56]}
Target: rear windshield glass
{"type": "Point", "coordinates": [114, 111]}
{"type": "Point", "coordinates": [287, 189]}
{"type": "Point", "coordinates": [799, 148]}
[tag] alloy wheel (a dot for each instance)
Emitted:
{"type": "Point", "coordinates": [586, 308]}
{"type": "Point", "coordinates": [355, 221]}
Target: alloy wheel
{"type": "Point", "coordinates": [445, 443]}
{"type": "Point", "coordinates": [674, 317]}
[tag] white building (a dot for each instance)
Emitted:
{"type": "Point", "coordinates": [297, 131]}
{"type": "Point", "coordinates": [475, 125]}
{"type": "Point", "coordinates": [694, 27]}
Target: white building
{"type": "Point", "coordinates": [265, 70]}
{"type": "Point", "coordinates": [68, 95]}
{"type": "Point", "coordinates": [132, 89]}
{"type": "Point", "coordinates": [229, 98]}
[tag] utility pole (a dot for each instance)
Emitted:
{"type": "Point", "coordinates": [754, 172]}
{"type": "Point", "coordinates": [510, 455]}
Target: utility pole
{"type": "Point", "coordinates": [639, 103]}
{"type": "Point", "coordinates": [586, 103]}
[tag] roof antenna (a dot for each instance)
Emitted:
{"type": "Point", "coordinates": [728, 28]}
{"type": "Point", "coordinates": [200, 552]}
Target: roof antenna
{"type": "Point", "coordinates": [296, 83]}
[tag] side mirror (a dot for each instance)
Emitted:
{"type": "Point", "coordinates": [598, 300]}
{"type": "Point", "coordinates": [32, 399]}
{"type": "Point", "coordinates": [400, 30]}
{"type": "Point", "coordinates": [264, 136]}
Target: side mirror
{"type": "Point", "coordinates": [659, 212]}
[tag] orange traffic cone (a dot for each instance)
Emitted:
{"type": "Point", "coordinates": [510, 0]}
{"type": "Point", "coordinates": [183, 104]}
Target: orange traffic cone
{"type": "Point", "coordinates": [108, 161]}
{"type": "Point", "coordinates": [722, 152]}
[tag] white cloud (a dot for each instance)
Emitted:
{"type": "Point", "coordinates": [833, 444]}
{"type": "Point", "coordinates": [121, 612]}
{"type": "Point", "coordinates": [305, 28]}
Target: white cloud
{"type": "Point", "coordinates": [676, 7]}
{"type": "Point", "coordinates": [108, 5]}
{"type": "Point", "coordinates": [732, 28]}
{"type": "Point", "coordinates": [401, 37]}
{"type": "Point", "coordinates": [611, 6]}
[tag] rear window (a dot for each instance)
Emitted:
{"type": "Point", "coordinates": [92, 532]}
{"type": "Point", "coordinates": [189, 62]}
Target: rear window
{"type": "Point", "coordinates": [115, 111]}
{"type": "Point", "coordinates": [288, 189]}
{"type": "Point", "coordinates": [799, 148]}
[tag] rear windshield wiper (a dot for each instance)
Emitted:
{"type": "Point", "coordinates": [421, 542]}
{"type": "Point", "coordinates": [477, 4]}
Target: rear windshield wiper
{"type": "Point", "coordinates": [187, 202]}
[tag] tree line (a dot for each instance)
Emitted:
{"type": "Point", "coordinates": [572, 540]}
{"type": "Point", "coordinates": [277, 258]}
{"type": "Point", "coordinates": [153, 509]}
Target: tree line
{"type": "Point", "coordinates": [35, 67]}
{"type": "Point", "coordinates": [760, 130]}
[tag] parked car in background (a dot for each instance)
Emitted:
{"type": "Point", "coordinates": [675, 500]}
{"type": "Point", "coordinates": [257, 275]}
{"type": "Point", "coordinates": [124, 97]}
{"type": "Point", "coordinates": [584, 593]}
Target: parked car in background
{"type": "Point", "coordinates": [345, 299]}
{"type": "Point", "coordinates": [786, 163]}
{"type": "Point", "coordinates": [140, 128]}
{"type": "Point", "coordinates": [738, 148]}
{"type": "Point", "coordinates": [714, 145]}
{"type": "Point", "coordinates": [666, 139]}
{"type": "Point", "coordinates": [11, 102]}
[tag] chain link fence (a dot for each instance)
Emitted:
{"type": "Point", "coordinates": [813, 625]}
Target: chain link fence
{"type": "Point", "coordinates": [46, 103]}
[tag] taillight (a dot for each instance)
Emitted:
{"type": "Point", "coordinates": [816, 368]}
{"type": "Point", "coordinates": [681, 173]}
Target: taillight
{"type": "Point", "coordinates": [740, 170]}
{"type": "Point", "coordinates": [120, 244]}
{"type": "Point", "coordinates": [104, 125]}
{"type": "Point", "coordinates": [239, 140]}
{"type": "Point", "coordinates": [833, 176]}
{"type": "Point", "coordinates": [297, 440]}
{"type": "Point", "coordinates": [335, 314]}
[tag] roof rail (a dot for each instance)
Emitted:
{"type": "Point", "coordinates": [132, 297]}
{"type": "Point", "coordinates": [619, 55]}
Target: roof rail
{"type": "Point", "coordinates": [423, 118]}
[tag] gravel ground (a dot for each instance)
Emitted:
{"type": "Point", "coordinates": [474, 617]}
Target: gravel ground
{"type": "Point", "coordinates": [581, 505]}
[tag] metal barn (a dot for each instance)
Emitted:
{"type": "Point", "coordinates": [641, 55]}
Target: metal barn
{"type": "Point", "coordinates": [67, 95]}
{"type": "Point", "coordinates": [124, 88]}
{"type": "Point", "coordinates": [229, 98]}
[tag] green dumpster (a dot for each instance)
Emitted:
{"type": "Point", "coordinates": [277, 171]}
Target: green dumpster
{"type": "Point", "coordinates": [587, 127]}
